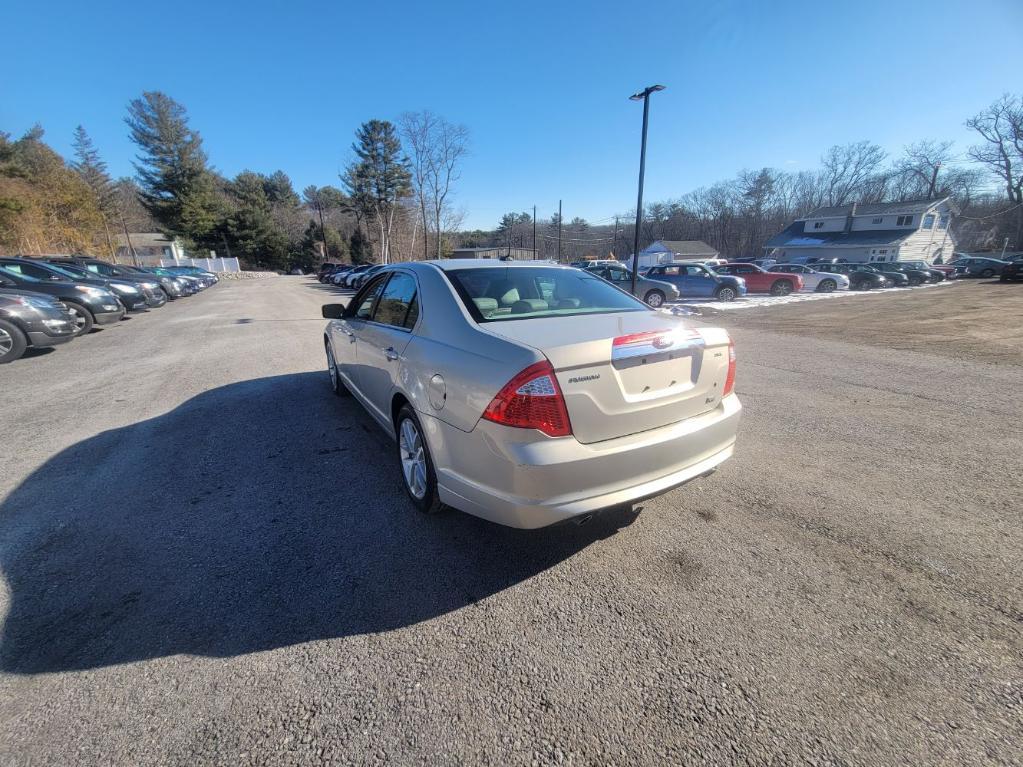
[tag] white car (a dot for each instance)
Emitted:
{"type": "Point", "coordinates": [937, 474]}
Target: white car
{"type": "Point", "coordinates": [819, 282]}
{"type": "Point", "coordinates": [529, 394]}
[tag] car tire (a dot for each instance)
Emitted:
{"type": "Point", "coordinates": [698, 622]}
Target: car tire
{"type": "Point", "coordinates": [826, 286]}
{"type": "Point", "coordinates": [336, 384]}
{"type": "Point", "coordinates": [987, 273]}
{"type": "Point", "coordinates": [654, 298]}
{"type": "Point", "coordinates": [781, 288]}
{"type": "Point", "coordinates": [416, 464]}
{"type": "Point", "coordinates": [915, 282]}
{"type": "Point", "coordinates": [726, 294]}
{"type": "Point", "coordinates": [12, 342]}
{"type": "Point", "coordinates": [83, 317]}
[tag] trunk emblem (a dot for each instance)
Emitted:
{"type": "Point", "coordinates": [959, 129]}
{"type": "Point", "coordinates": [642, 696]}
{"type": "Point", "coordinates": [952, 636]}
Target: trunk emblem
{"type": "Point", "coordinates": [662, 342]}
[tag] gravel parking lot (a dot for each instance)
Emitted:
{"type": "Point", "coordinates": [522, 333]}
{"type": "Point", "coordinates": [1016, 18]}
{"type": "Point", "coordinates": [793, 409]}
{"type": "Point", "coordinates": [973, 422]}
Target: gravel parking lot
{"type": "Point", "coordinates": [208, 558]}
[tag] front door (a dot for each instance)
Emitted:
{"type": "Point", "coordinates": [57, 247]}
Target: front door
{"type": "Point", "coordinates": [344, 333]}
{"type": "Point", "coordinates": [381, 342]}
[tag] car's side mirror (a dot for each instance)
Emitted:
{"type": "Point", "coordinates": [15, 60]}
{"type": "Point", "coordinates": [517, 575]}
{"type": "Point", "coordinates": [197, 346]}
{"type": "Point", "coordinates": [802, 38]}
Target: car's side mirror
{"type": "Point", "coordinates": [333, 311]}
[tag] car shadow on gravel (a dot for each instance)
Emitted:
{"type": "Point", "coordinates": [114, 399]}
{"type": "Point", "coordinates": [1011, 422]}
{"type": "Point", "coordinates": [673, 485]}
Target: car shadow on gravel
{"type": "Point", "coordinates": [253, 516]}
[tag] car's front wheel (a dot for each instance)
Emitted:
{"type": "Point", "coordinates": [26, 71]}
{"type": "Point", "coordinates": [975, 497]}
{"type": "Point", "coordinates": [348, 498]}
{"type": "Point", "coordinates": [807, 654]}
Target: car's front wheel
{"type": "Point", "coordinates": [83, 317]}
{"type": "Point", "coordinates": [781, 288]}
{"type": "Point", "coordinates": [336, 384]}
{"type": "Point", "coordinates": [725, 294]}
{"type": "Point", "coordinates": [987, 273]}
{"type": "Point", "coordinates": [12, 342]}
{"type": "Point", "coordinates": [827, 286]}
{"type": "Point", "coordinates": [420, 480]}
{"type": "Point", "coordinates": [654, 298]}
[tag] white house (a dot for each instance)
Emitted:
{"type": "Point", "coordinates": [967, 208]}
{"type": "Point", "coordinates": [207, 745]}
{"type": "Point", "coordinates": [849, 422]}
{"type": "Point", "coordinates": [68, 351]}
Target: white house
{"type": "Point", "coordinates": [151, 248]}
{"type": "Point", "coordinates": [664, 251]}
{"type": "Point", "coordinates": [877, 231]}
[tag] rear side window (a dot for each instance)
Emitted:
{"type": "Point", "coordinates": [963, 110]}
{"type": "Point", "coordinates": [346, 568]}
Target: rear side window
{"type": "Point", "coordinates": [494, 294]}
{"type": "Point", "coordinates": [398, 301]}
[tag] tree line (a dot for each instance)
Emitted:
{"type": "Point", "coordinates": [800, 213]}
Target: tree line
{"type": "Point", "coordinates": [391, 203]}
{"type": "Point", "coordinates": [737, 215]}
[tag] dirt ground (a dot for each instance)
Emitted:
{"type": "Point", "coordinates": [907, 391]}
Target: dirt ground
{"type": "Point", "coordinates": [972, 320]}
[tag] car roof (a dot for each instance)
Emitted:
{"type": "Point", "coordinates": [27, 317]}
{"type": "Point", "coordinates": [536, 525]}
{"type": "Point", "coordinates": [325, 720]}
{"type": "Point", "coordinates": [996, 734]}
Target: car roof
{"type": "Point", "coordinates": [449, 264]}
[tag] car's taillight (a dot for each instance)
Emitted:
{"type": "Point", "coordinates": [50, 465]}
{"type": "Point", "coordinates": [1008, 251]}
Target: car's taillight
{"type": "Point", "coordinates": [730, 378]}
{"type": "Point", "coordinates": [532, 400]}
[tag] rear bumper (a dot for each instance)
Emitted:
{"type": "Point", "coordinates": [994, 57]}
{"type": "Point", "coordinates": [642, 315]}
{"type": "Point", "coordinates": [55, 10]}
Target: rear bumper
{"type": "Point", "coordinates": [519, 478]}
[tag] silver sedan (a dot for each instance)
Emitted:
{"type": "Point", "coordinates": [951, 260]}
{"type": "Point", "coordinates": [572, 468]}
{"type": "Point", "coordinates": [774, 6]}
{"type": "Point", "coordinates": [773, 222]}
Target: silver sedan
{"type": "Point", "coordinates": [531, 394]}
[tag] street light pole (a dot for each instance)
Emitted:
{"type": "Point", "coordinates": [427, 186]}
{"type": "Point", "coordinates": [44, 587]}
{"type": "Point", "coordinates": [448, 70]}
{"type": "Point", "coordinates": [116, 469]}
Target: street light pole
{"type": "Point", "coordinates": [645, 97]}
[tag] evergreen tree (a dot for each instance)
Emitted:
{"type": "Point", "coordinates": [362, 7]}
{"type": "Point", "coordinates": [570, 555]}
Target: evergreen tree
{"type": "Point", "coordinates": [178, 188]}
{"type": "Point", "coordinates": [250, 228]}
{"type": "Point", "coordinates": [90, 166]}
{"type": "Point", "coordinates": [359, 248]}
{"type": "Point", "coordinates": [378, 177]}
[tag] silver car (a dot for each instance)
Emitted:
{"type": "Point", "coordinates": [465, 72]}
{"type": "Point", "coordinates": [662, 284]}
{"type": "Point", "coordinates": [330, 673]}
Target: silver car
{"type": "Point", "coordinates": [531, 394]}
{"type": "Point", "coordinates": [653, 292]}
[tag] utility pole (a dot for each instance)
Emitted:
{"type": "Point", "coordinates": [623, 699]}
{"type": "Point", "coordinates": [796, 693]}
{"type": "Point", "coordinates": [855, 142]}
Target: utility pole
{"type": "Point", "coordinates": [643, 96]}
{"type": "Point", "coordinates": [614, 242]}
{"type": "Point", "coordinates": [559, 231]}
{"type": "Point", "coordinates": [1004, 246]}
{"type": "Point", "coordinates": [534, 233]}
{"type": "Point", "coordinates": [934, 181]}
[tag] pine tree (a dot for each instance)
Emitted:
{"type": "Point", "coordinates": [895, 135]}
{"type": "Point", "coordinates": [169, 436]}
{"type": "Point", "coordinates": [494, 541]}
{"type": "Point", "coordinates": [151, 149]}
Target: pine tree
{"type": "Point", "coordinates": [378, 177]}
{"type": "Point", "coordinates": [93, 171]}
{"type": "Point", "coordinates": [177, 185]}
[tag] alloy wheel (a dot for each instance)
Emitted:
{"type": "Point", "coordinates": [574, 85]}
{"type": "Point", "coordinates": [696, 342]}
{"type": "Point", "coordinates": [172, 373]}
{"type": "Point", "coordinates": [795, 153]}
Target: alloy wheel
{"type": "Point", "coordinates": [6, 342]}
{"type": "Point", "coordinates": [413, 458]}
{"type": "Point", "coordinates": [726, 294]}
{"type": "Point", "coordinates": [79, 319]}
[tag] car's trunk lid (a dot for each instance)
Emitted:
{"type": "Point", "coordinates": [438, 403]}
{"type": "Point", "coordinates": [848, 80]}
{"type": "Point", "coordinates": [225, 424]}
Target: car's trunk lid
{"type": "Point", "coordinates": [627, 372]}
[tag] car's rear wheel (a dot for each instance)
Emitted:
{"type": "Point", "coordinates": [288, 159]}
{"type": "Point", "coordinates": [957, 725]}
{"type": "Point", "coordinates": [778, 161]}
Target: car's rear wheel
{"type": "Point", "coordinates": [82, 317]}
{"type": "Point", "coordinates": [12, 342]}
{"type": "Point", "coordinates": [725, 294]}
{"type": "Point", "coordinates": [826, 286]}
{"type": "Point", "coordinates": [915, 281]}
{"type": "Point", "coordinates": [420, 480]}
{"type": "Point", "coordinates": [781, 288]}
{"type": "Point", "coordinates": [987, 273]}
{"type": "Point", "coordinates": [654, 298]}
{"type": "Point", "coordinates": [336, 384]}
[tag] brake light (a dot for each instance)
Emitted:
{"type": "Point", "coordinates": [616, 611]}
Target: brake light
{"type": "Point", "coordinates": [730, 378]}
{"type": "Point", "coordinates": [532, 400]}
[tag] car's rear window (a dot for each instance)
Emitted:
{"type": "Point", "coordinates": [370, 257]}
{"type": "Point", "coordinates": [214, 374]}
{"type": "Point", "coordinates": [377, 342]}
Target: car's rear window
{"type": "Point", "coordinates": [492, 294]}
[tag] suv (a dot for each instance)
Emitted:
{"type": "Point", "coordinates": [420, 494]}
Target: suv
{"type": "Point", "coordinates": [696, 280]}
{"type": "Point", "coordinates": [89, 305]}
{"type": "Point", "coordinates": [913, 274]}
{"type": "Point", "coordinates": [31, 319]}
{"type": "Point", "coordinates": [155, 297]}
{"type": "Point", "coordinates": [129, 294]}
{"type": "Point", "coordinates": [975, 266]}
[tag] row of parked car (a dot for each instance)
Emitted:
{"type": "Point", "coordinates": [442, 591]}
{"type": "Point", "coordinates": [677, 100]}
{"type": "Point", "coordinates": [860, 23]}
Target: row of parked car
{"type": "Point", "coordinates": [51, 300]}
{"type": "Point", "coordinates": [347, 275]}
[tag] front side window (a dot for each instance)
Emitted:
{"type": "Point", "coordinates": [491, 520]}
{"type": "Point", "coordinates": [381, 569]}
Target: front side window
{"type": "Point", "coordinates": [397, 301]}
{"type": "Point", "coordinates": [493, 294]}
{"type": "Point", "coordinates": [366, 299]}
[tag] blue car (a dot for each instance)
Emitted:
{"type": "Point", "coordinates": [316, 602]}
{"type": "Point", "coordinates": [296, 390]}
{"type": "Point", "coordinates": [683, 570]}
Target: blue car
{"type": "Point", "coordinates": [699, 281]}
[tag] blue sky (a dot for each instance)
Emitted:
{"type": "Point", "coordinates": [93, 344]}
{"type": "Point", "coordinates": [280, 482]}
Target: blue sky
{"type": "Point", "coordinates": [542, 87]}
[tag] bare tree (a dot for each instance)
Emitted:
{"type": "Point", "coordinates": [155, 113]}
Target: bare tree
{"type": "Point", "coordinates": [1001, 127]}
{"type": "Point", "coordinates": [437, 148]}
{"type": "Point", "coordinates": [846, 169]}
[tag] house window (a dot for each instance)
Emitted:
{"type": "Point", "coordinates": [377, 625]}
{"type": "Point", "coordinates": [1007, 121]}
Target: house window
{"type": "Point", "coordinates": [818, 224]}
{"type": "Point", "coordinates": [929, 221]}
{"type": "Point", "coordinates": [883, 252]}
{"type": "Point", "coordinates": [878, 220]}
{"type": "Point", "coordinates": [943, 222]}
{"type": "Point", "coordinates": [904, 221]}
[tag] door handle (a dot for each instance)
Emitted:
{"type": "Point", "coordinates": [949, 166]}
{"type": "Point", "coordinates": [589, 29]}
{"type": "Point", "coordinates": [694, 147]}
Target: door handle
{"type": "Point", "coordinates": [390, 353]}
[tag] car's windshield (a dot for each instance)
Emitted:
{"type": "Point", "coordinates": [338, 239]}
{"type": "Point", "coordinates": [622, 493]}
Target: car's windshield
{"type": "Point", "coordinates": [517, 293]}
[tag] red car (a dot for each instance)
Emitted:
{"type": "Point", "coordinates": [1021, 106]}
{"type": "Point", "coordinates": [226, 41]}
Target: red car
{"type": "Point", "coordinates": [761, 281]}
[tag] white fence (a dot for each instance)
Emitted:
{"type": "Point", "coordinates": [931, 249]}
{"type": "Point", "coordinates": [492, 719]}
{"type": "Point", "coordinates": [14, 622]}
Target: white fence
{"type": "Point", "coordinates": [209, 264]}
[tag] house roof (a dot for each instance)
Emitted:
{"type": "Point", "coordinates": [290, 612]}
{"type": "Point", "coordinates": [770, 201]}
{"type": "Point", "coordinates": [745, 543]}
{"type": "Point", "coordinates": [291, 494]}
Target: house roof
{"type": "Point", "coordinates": [683, 248]}
{"type": "Point", "coordinates": [876, 208]}
{"type": "Point", "coordinates": [794, 237]}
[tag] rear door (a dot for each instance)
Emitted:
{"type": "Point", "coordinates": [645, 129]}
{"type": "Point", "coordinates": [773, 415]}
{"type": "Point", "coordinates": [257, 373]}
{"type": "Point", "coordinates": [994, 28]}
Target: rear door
{"type": "Point", "coordinates": [699, 281]}
{"type": "Point", "coordinates": [625, 373]}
